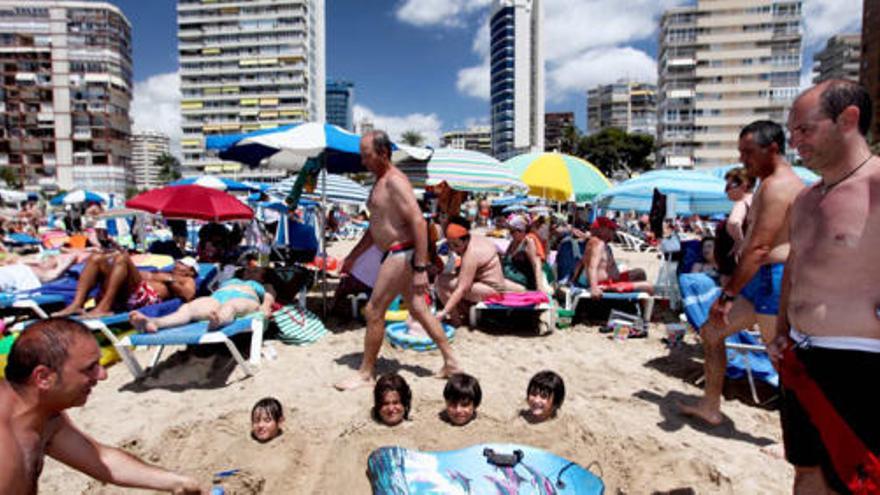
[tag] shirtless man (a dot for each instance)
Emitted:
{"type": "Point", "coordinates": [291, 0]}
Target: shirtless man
{"type": "Point", "coordinates": [53, 366]}
{"type": "Point", "coordinates": [752, 294]}
{"type": "Point", "coordinates": [830, 305]}
{"type": "Point", "coordinates": [398, 229]}
{"type": "Point", "coordinates": [122, 282]}
{"type": "Point", "coordinates": [479, 276]}
{"type": "Point", "coordinates": [598, 264]}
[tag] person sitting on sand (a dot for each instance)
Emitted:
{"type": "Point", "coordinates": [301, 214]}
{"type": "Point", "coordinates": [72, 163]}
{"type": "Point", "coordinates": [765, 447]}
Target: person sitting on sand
{"type": "Point", "coordinates": [462, 395]}
{"type": "Point", "coordinates": [392, 399]}
{"type": "Point", "coordinates": [600, 268]}
{"type": "Point", "coordinates": [234, 298]}
{"type": "Point", "coordinates": [479, 276]}
{"type": "Point", "coordinates": [544, 395]}
{"type": "Point", "coordinates": [124, 283]}
{"type": "Point", "coordinates": [267, 418]}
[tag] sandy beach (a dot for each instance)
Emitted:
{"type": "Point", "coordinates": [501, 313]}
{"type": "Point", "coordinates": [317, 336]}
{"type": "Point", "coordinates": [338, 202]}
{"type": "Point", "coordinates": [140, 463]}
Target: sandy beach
{"type": "Point", "coordinates": [192, 414]}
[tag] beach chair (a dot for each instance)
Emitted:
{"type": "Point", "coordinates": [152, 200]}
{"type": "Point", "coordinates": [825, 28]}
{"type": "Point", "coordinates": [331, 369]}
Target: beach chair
{"type": "Point", "coordinates": [34, 302]}
{"type": "Point", "coordinates": [633, 243]}
{"type": "Point", "coordinates": [515, 309]}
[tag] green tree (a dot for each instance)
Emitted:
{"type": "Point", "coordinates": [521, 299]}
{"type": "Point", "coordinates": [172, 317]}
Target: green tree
{"type": "Point", "coordinates": [8, 175]}
{"type": "Point", "coordinates": [613, 150]}
{"type": "Point", "coordinates": [131, 192]}
{"type": "Point", "coordinates": [412, 138]}
{"type": "Point", "coordinates": [169, 167]}
{"type": "Point", "coordinates": [570, 138]}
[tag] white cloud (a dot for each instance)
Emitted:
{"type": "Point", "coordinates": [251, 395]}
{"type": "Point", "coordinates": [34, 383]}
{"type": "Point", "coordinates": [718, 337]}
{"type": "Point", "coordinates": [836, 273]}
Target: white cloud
{"type": "Point", "coordinates": [156, 106]}
{"type": "Point", "coordinates": [437, 12]}
{"type": "Point", "coordinates": [474, 81]}
{"type": "Point", "coordinates": [596, 66]}
{"type": "Point", "coordinates": [428, 125]}
{"type": "Point", "coordinates": [825, 18]}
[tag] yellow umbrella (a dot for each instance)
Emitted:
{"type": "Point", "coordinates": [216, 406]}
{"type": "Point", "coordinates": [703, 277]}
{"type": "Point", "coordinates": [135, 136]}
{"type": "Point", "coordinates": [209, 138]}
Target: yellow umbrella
{"type": "Point", "coordinates": [558, 176]}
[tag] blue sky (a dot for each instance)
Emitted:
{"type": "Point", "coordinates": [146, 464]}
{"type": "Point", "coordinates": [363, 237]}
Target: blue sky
{"type": "Point", "coordinates": [421, 64]}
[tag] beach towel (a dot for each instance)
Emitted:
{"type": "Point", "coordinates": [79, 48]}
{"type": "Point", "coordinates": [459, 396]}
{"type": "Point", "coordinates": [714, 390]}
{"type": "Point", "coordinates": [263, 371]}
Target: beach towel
{"type": "Point", "coordinates": [297, 326]}
{"type": "Point", "coordinates": [517, 299]}
{"type": "Point", "coordinates": [857, 466]}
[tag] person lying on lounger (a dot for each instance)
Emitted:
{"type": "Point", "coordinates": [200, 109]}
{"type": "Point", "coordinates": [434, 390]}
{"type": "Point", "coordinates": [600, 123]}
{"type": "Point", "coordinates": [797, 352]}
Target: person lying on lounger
{"type": "Point", "coordinates": [124, 285]}
{"type": "Point", "coordinates": [599, 265]}
{"type": "Point", "coordinates": [30, 272]}
{"type": "Point", "coordinates": [236, 297]}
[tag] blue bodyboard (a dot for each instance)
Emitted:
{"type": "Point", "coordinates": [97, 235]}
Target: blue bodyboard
{"type": "Point", "coordinates": [485, 469]}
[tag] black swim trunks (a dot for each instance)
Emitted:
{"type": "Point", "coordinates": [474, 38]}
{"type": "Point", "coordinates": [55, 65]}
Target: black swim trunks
{"type": "Point", "coordinates": [846, 377]}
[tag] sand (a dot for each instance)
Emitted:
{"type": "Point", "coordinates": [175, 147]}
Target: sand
{"type": "Point", "coordinates": [192, 414]}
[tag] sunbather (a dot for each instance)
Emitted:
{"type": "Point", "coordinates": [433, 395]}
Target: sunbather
{"type": "Point", "coordinates": [600, 268]}
{"type": "Point", "coordinates": [124, 285]}
{"type": "Point", "coordinates": [525, 257]}
{"type": "Point", "coordinates": [28, 273]}
{"type": "Point", "coordinates": [236, 297]}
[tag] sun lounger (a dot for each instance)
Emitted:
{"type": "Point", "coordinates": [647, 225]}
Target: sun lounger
{"type": "Point", "coordinates": [514, 309]}
{"type": "Point", "coordinates": [34, 302]}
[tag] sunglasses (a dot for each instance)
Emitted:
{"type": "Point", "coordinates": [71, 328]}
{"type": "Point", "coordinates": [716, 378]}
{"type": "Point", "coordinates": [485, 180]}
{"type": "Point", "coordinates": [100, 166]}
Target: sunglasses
{"type": "Point", "coordinates": [732, 184]}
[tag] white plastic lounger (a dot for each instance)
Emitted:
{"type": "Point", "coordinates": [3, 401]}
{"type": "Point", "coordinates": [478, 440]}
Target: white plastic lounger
{"type": "Point", "coordinates": [190, 334]}
{"type": "Point", "coordinates": [546, 324]}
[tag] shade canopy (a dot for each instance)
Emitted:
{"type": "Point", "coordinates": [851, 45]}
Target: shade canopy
{"type": "Point", "coordinates": [695, 193]}
{"type": "Point", "coordinates": [463, 170]}
{"type": "Point", "coordinates": [806, 175]}
{"type": "Point", "coordinates": [340, 189]}
{"type": "Point", "coordinates": [191, 202]}
{"type": "Point", "coordinates": [558, 176]}
{"type": "Point", "coordinates": [214, 182]}
{"type": "Point", "coordinates": [78, 196]}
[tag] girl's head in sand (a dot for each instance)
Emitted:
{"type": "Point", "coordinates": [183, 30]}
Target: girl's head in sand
{"type": "Point", "coordinates": [267, 418]}
{"type": "Point", "coordinates": [463, 396]}
{"type": "Point", "coordinates": [392, 398]}
{"type": "Point", "coordinates": [544, 395]}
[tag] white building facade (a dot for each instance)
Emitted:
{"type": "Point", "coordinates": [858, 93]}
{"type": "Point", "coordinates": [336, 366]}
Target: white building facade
{"type": "Point", "coordinates": [517, 77]}
{"type": "Point", "coordinates": [247, 65]}
{"type": "Point", "coordinates": [146, 147]}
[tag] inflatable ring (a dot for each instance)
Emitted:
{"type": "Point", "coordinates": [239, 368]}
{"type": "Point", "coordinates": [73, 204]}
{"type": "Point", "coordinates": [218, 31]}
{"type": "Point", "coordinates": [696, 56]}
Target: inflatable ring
{"type": "Point", "coordinates": [398, 336]}
{"type": "Point", "coordinates": [394, 316]}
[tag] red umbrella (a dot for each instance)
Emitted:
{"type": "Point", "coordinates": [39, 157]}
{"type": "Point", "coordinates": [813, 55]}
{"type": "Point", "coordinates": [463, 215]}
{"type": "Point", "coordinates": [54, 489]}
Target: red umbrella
{"type": "Point", "coordinates": [191, 202]}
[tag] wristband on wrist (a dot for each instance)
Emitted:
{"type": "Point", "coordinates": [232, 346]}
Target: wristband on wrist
{"type": "Point", "coordinates": [726, 297]}
{"type": "Point", "coordinates": [418, 268]}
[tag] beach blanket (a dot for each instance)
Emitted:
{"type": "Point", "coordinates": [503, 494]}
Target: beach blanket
{"type": "Point", "coordinates": [698, 293]}
{"type": "Point", "coordinates": [517, 299]}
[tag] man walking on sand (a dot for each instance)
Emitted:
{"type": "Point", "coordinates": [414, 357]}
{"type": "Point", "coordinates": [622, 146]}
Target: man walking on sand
{"type": "Point", "coordinates": [752, 294]}
{"type": "Point", "coordinates": [830, 305]}
{"type": "Point", "coordinates": [53, 366]}
{"type": "Point", "coordinates": [399, 230]}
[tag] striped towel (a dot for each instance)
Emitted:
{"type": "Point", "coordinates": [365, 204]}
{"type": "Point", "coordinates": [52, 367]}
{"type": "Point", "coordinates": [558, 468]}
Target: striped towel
{"type": "Point", "coordinates": [297, 326]}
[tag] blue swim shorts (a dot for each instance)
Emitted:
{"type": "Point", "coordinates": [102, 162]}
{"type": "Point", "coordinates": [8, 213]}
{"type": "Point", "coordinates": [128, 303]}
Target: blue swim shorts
{"type": "Point", "coordinates": [764, 289]}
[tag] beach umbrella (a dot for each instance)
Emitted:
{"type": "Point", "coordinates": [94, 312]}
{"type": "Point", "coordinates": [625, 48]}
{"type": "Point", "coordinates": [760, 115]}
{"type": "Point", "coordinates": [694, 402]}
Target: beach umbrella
{"type": "Point", "coordinates": [509, 200]}
{"type": "Point", "coordinates": [558, 176]}
{"type": "Point", "coordinates": [191, 202]}
{"type": "Point", "coordinates": [340, 189]}
{"type": "Point", "coordinates": [695, 192]}
{"type": "Point", "coordinates": [213, 182]}
{"type": "Point", "coordinates": [290, 146]}
{"type": "Point", "coordinates": [463, 170]}
{"type": "Point", "coordinates": [78, 196]}
{"type": "Point", "coordinates": [806, 175]}
{"type": "Point", "coordinates": [514, 208]}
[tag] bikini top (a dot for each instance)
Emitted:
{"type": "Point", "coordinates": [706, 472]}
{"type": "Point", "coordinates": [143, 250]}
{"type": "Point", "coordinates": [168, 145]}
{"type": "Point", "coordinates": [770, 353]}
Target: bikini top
{"type": "Point", "coordinates": [256, 286]}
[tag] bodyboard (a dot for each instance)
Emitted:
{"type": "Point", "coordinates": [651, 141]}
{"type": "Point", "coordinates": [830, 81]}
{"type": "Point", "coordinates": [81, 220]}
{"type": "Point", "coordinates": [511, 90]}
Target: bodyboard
{"type": "Point", "coordinates": [514, 470]}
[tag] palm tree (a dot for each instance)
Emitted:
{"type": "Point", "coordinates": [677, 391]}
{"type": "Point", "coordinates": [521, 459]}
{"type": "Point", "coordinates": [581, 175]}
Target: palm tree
{"type": "Point", "coordinates": [412, 138]}
{"type": "Point", "coordinates": [169, 167]}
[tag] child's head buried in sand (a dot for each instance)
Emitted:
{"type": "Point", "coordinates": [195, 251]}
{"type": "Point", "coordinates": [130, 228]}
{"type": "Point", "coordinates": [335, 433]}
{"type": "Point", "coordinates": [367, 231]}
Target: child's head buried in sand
{"type": "Point", "coordinates": [463, 396]}
{"type": "Point", "coordinates": [267, 418]}
{"type": "Point", "coordinates": [544, 396]}
{"type": "Point", "coordinates": [392, 398]}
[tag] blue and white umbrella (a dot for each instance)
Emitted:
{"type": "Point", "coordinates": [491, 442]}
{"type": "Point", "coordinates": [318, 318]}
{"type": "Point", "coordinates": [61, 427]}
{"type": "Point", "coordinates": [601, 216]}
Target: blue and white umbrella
{"type": "Point", "coordinates": [290, 146]}
{"type": "Point", "coordinates": [695, 193]}
{"type": "Point", "coordinates": [219, 183]}
{"type": "Point", "coordinates": [340, 189]}
{"type": "Point", "coordinates": [806, 175]}
{"type": "Point", "coordinates": [78, 196]}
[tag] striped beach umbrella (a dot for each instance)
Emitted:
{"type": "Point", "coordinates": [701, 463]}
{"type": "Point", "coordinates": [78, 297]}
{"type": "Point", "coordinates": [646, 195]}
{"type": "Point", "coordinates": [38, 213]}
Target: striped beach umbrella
{"type": "Point", "coordinates": [806, 175]}
{"type": "Point", "coordinates": [213, 182]}
{"type": "Point", "coordinates": [463, 170]}
{"type": "Point", "coordinates": [558, 176]}
{"type": "Point", "coordinates": [340, 189]}
{"type": "Point", "coordinates": [78, 196]}
{"type": "Point", "coordinates": [695, 192]}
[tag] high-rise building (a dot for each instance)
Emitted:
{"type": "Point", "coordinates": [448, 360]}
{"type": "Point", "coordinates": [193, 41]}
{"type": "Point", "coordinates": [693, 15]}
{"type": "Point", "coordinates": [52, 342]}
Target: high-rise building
{"type": "Point", "coordinates": [723, 64]}
{"type": "Point", "coordinates": [628, 106]}
{"type": "Point", "coordinates": [517, 77]}
{"type": "Point", "coordinates": [555, 124]}
{"type": "Point", "coordinates": [65, 90]}
{"type": "Point", "coordinates": [146, 147]}
{"type": "Point", "coordinates": [244, 66]}
{"type": "Point", "coordinates": [340, 101]}
{"type": "Point", "coordinates": [870, 72]}
{"type": "Point", "coordinates": [475, 138]}
{"type": "Point", "coordinates": [840, 59]}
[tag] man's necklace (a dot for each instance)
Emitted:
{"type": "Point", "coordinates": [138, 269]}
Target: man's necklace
{"type": "Point", "coordinates": [824, 188]}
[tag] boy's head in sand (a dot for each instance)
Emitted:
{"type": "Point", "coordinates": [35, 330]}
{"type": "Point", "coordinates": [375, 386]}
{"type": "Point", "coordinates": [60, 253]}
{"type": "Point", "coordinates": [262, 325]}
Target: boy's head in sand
{"type": "Point", "coordinates": [463, 396]}
{"type": "Point", "coordinates": [544, 395]}
{"type": "Point", "coordinates": [267, 418]}
{"type": "Point", "coordinates": [392, 398]}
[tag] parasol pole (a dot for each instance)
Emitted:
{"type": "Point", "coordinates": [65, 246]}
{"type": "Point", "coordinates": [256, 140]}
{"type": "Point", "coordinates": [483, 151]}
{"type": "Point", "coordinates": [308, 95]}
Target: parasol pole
{"type": "Point", "coordinates": [323, 176]}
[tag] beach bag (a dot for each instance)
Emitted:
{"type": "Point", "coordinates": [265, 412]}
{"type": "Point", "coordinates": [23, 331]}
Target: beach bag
{"type": "Point", "coordinates": [297, 326]}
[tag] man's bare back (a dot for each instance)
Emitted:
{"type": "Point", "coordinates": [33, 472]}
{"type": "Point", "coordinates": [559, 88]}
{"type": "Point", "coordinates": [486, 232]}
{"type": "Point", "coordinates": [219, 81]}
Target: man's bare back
{"type": "Point", "coordinates": [834, 271]}
{"type": "Point", "coordinates": [387, 224]}
{"type": "Point", "coordinates": [774, 195]}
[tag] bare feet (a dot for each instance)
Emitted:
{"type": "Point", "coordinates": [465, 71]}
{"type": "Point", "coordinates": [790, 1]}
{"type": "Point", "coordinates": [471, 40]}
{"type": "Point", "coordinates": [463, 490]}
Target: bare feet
{"type": "Point", "coordinates": [68, 311]}
{"type": "Point", "coordinates": [447, 370]}
{"type": "Point", "coordinates": [356, 381]}
{"type": "Point", "coordinates": [141, 322]}
{"type": "Point", "coordinates": [97, 313]}
{"type": "Point", "coordinates": [710, 416]}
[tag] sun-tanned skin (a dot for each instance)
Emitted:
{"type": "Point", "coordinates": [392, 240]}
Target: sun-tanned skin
{"type": "Point", "coordinates": [206, 309]}
{"type": "Point", "coordinates": [395, 218]}
{"type": "Point", "coordinates": [766, 242]}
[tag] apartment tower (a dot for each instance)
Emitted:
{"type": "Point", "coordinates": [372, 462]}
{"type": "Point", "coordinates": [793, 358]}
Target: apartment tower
{"type": "Point", "coordinates": [555, 125]}
{"type": "Point", "coordinates": [146, 147]}
{"type": "Point", "coordinates": [723, 64]}
{"type": "Point", "coordinates": [65, 91]}
{"type": "Point", "coordinates": [340, 102]}
{"type": "Point", "coordinates": [475, 138]}
{"type": "Point", "coordinates": [628, 106]}
{"type": "Point", "coordinates": [517, 77]}
{"type": "Point", "coordinates": [247, 65]}
{"type": "Point", "coordinates": [840, 59]}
